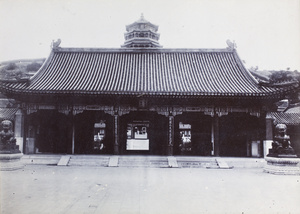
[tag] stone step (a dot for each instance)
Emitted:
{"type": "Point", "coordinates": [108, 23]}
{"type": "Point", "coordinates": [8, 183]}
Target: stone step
{"type": "Point", "coordinates": [160, 162]}
{"type": "Point", "coordinates": [113, 161]}
{"type": "Point", "coordinates": [87, 160]}
{"type": "Point", "coordinates": [196, 162]}
{"type": "Point", "coordinates": [41, 159]}
{"type": "Point", "coordinates": [144, 161]}
{"type": "Point", "coordinates": [88, 163]}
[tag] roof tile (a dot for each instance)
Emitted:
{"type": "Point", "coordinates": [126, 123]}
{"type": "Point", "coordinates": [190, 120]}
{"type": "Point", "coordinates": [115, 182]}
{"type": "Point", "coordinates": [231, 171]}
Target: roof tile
{"type": "Point", "coordinates": [160, 71]}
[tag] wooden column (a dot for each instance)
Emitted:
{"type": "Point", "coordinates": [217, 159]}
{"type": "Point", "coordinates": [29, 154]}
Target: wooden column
{"type": "Point", "coordinates": [73, 136]}
{"type": "Point", "coordinates": [171, 136]}
{"type": "Point", "coordinates": [116, 134]}
{"type": "Point", "coordinates": [73, 113]}
{"type": "Point", "coordinates": [216, 135]}
{"type": "Point", "coordinates": [212, 139]}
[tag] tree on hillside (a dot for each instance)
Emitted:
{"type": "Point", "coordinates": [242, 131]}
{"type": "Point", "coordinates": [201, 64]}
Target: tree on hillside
{"type": "Point", "coordinates": [277, 77]}
{"type": "Point", "coordinates": [33, 66]}
{"type": "Point", "coordinates": [288, 76]}
{"type": "Point", "coordinates": [11, 66]}
{"type": "Point", "coordinates": [19, 70]}
{"type": "Point", "coordinates": [284, 76]}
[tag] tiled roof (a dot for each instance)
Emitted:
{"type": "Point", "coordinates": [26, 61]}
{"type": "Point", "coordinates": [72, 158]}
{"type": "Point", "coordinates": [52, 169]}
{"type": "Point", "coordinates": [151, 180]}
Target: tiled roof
{"type": "Point", "coordinates": [7, 113]}
{"type": "Point", "coordinates": [295, 109]}
{"type": "Point", "coordinates": [286, 118]}
{"type": "Point", "coordinates": [152, 72]}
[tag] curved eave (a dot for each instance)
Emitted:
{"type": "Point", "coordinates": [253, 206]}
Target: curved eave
{"type": "Point", "coordinates": [143, 31]}
{"type": "Point", "coordinates": [128, 27]}
{"type": "Point", "coordinates": [290, 119]}
{"type": "Point", "coordinates": [241, 64]}
{"type": "Point", "coordinates": [280, 84]}
{"type": "Point", "coordinates": [7, 113]}
{"type": "Point", "coordinates": [141, 40]}
{"type": "Point", "coordinates": [192, 95]}
{"type": "Point", "coordinates": [44, 66]}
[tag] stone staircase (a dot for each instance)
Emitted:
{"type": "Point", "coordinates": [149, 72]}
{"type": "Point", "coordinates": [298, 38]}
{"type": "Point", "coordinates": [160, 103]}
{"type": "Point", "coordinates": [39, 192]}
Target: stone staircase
{"type": "Point", "coordinates": [121, 161]}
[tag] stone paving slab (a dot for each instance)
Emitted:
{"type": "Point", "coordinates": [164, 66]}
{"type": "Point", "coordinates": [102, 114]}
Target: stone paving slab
{"type": "Point", "coordinates": [64, 160]}
{"type": "Point", "coordinates": [113, 161]}
{"type": "Point", "coordinates": [172, 162]}
{"type": "Point", "coordinates": [222, 164]}
{"type": "Point", "coordinates": [52, 189]}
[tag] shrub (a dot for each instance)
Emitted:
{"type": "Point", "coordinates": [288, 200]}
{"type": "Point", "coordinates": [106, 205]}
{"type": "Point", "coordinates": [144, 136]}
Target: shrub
{"type": "Point", "coordinates": [11, 66]}
{"type": "Point", "coordinates": [33, 66]}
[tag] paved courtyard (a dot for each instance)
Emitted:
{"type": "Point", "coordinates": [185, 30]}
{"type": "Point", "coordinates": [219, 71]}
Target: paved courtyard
{"type": "Point", "coordinates": [62, 189]}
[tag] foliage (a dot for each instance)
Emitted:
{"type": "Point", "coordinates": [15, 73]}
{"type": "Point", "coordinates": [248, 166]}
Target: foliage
{"type": "Point", "coordinates": [287, 76]}
{"type": "Point", "coordinates": [275, 76]}
{"type": "Point", "coordinates": [33, 66]}
{"type": "Point", "coordinates": [281, 76]}
{"type": "Point", "coordinates": [284, 76]}
{"type": "Point", "coordinates": [19, 69]}
{"type": "Point", "coordinates": [11, 66]}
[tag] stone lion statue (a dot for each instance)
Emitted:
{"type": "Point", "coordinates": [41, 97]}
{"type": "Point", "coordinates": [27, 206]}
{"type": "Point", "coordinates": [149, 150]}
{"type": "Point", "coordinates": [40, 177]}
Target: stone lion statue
{"type": "Point", "coordinates": [281, 144]}
{"type": "Point", "coordinates": [7, 140]}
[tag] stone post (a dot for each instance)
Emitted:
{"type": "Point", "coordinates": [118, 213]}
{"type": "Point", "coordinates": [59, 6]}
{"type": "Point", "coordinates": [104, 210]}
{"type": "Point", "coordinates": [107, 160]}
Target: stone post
{"type": "Point", "coordinates": [19, 129]}
{"type": "Point", "coordinates": [269, 134]}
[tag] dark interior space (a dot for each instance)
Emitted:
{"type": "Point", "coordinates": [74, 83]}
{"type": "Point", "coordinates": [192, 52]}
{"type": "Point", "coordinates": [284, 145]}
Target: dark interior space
{"type": "Point", "coordinates": [157, 132]}
{"type": "Point", "coordinates": [85, 131]}
{"type": "Point", "coordinates": [52, 131]}
{"type": "Point", "coordinates": [200, 127]}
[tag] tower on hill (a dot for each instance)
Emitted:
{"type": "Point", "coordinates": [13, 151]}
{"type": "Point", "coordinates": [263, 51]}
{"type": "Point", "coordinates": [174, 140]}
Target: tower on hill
{"type": "Point", "coordinates": [141, 34]}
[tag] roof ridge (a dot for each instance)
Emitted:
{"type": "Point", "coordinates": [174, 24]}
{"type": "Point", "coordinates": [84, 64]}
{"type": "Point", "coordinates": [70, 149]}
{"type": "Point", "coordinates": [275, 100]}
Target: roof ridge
{"type": "Point", "coordinates": [143, 50]}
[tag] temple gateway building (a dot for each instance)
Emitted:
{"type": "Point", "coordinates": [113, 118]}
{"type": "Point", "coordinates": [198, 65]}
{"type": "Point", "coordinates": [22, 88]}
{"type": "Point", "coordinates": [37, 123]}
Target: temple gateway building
{"type": "Point", "coordinates": [144, 99]}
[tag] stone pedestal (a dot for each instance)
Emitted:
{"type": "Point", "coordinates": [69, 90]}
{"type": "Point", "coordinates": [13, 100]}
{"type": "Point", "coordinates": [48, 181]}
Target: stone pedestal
{"type": "Point", "coordinates": [10, 162]}
{"type": "Point", "coordinates": [282, 166]}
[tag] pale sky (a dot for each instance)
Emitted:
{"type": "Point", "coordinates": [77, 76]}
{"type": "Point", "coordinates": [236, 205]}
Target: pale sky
{"type": "Point", "coordinates": [267, 32]}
